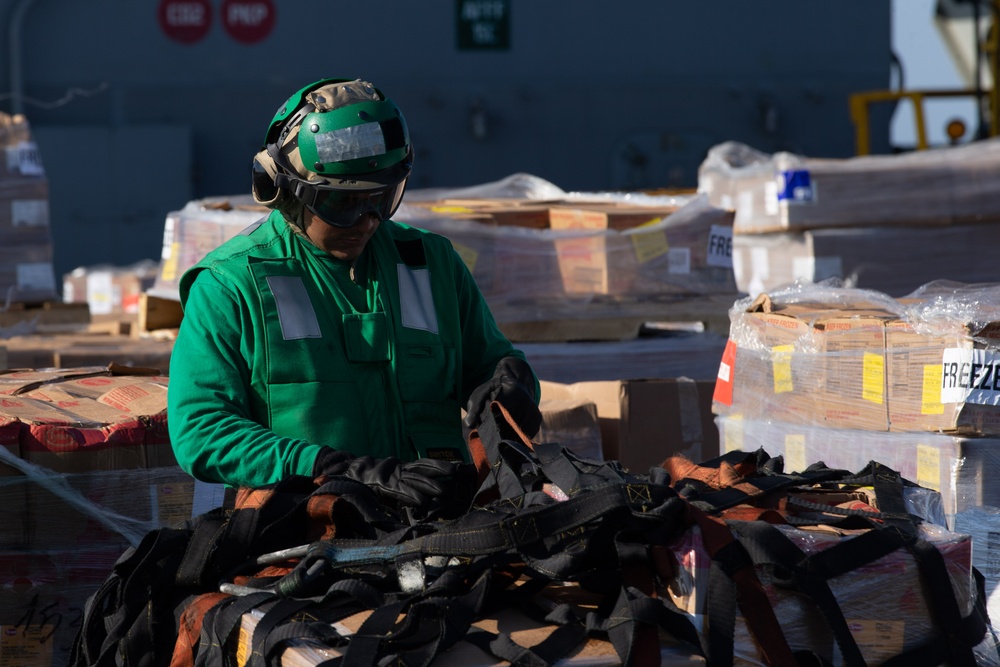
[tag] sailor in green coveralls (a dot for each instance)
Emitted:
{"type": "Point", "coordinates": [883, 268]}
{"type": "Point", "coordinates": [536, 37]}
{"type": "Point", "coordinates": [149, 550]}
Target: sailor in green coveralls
{"type": "Point", "coordinates": [328, 339]}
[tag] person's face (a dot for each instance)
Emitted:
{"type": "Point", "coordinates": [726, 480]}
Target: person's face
{"type": "Point", "coordinates": [344, 243]}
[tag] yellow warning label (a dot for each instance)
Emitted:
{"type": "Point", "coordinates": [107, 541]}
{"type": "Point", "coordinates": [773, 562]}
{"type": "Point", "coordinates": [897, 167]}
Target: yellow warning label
{"type": "Point", "coordinates": [21, 645]}
{"type": "Point", "coordinates": [930, 400]}
{"type": "Point", "coordinates": [649, 245]}
{"type": "Point", "coordinates": [929, 467]}
{"type": "Point", "coordinates": [243, 648]}
{"type": "Point", "coordinates": [795, 452]}
{"type": "Point", "coordinates": [732, 436]}
{"type": "Point", "coordinates": [781, 365]}
{"type": "Point", "coordinates": [873, 378]}
{"type": "Point", "coordinates": [168, 271]}
{"type": "Point", "coordinates": [878, 640]}
{"type": "Point", "coordinates": [451, 209]}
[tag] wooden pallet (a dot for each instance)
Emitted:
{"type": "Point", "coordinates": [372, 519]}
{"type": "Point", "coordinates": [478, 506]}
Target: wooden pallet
{"type": "Point", "coordinates": [157, 314]}
{"type": "Point", "coordinates": [87, 348]}
{"type": "Point", "coordinates": [609, 319]}
{"type": "Point", "coordinates": [45, 316]}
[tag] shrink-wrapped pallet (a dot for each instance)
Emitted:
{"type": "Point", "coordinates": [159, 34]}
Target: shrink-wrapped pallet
{"type": "Point", "coordinates": [826, 355]}
{"type": "Point", "coordinates": [26, 272]}
{"type": "Point", "coordinates": [790, 192]}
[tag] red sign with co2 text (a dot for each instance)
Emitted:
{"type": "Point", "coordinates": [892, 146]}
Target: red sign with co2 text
{"type": "Point", "coordinates": [185, 21]}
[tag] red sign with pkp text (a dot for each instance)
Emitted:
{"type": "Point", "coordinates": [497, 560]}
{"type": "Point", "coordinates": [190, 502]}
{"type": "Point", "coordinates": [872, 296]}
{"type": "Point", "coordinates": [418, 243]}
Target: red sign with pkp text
{"type": "Point", "coordinates": [185, 21]}
{"type": "Point", "coordinates": [248, 21]}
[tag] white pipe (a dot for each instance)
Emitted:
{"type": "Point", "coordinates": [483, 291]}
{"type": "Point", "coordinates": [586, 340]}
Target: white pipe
{"type": "Point", "coordinates": [14, 42]}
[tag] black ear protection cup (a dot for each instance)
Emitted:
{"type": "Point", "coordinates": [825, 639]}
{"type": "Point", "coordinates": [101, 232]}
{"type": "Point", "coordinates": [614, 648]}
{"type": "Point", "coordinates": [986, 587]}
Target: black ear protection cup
{"type": "Point", "coordinates": [263, 183]}
{"type": "Point", "coordinates": [266, 171]}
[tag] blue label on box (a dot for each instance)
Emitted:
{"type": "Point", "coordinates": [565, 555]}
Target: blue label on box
{"type": "Point", "coordinates": [795, 186]}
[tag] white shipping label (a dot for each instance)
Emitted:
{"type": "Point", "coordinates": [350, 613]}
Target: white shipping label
{"type": "Point", "coordinates": [720, 246]}
{"type": "Point", "coordinates": [36, 275]}
{"type": "Point", "coordinates": [168, 237]}
{"type": "Point", "coordinates": [679, 260]}
{"type": "Point", "coordinates": [970, 376]}
{"type": "Point", "coordinates": [803, 268]}
{"type": "Point", "coordinates": [24, 158]}
{"type": "Point", "coordinates": [744, 209]}
{"type": "Point", "coordinates": [29, 212]}
{"type": "Point", "coordinates": [771, 198]}
{"type": "Point", "coordinates": [100, 292]}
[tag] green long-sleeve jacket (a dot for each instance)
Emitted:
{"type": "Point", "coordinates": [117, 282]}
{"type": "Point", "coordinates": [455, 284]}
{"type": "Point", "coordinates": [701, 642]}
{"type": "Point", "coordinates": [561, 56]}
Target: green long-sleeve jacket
{"type": "Point", "coordinates": [281, 352]}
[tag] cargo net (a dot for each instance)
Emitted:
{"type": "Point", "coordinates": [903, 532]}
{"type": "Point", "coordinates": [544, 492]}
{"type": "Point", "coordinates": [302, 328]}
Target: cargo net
{"type": "Point", "coordinates": [560, 559]}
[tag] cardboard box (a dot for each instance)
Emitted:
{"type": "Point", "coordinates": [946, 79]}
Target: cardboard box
{"type": "Point", "coordinates": [26, 272]}
{"type": "Point", "coordinates": [811, 363]}
{"type": "Point", "coordinates": [573, 423]}
{"type": "Point", "coordinates": [42, 597]}
{"type": "Point", "coordinates": [110, 290]}
{"type": "Point", "coordinates": [884, 602]}
{"type": "Point", "coordinates": [594, 651]}
{"type": "Point", "coordinates": [86, 458]}
{"type": "Point", "coordinates": [107, 508]}
{"type": "Point", "coordinates": [919, 364]}
{"type": "Point", "coordinates": [891, 259]}
{"type": "Point", "coordinates": [788, 192]}
{"type": "Point", "coordinates": [643, 422]}
{"type": "Point", "coordinates": [595, 257]}
{"type": "Point", "coordinates": [198, 228]}
{"type": "Point", "coordinates": [961, 469]}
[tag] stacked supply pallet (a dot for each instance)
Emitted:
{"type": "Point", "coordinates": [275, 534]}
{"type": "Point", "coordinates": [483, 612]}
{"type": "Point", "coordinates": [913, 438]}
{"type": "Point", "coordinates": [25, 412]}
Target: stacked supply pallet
{"type": "Point", "coordinates": [847, 376]}
{"type": "Point", "coordinates": [570, 266]}
{"type": "Point", "coordinates": [26, 272]}
{"type": "Point", "coordinates": [888, 222]}
{"type": "Point", "coordinates": [86, 470]}
{"type": "Point", "coordinates": [552, 265]}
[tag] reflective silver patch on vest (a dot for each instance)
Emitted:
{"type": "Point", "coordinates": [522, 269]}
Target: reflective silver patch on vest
{"type": "Point", "coordinates": [249, 229]}
{"type": "Point", "coordinates": [415, 299]}
{"type": "Point", "coordinates": [348, 143]}
{"type": "Point", "coordinates": [295, 310]}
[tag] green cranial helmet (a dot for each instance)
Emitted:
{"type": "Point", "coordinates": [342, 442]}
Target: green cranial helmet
{"type": "Point", "coordinates": [340, 148]}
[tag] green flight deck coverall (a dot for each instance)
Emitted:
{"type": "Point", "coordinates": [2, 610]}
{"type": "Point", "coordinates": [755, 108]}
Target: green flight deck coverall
{"type": "Point", "coordinates": [285, 349]}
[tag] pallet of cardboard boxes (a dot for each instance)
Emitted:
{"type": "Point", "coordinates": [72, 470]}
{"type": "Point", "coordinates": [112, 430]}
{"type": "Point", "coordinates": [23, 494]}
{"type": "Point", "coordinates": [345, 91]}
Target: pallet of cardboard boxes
{"type": "Point", "coordinates": [883, 222]}
{"type": "Point", "coordinates": [86, 469]}
{"type": "Point", "coordinates": [620, 259]}
{"type": "Point", "coordinates": [26, 272]}
{"type": "Point", "coordinates": [822, 372]}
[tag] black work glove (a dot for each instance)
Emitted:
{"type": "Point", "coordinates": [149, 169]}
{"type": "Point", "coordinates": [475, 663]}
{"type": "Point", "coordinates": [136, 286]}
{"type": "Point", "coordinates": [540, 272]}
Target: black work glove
{"type": "Point", "coordinates": [513, 386]}
{"type": "Point", "coordinates": [421, 483]}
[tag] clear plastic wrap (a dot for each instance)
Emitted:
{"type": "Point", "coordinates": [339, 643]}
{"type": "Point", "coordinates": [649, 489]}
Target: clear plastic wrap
{"type": "Point", "coordinates": [86, 471]}
{"type": "Point", "coordinates": [597, 251]}
{"type": "Point", "coordinates": [196, 229]}
{"type": "Point", "coordinates": [26, 271]}
{"type": "Point", "coordinates": [891, 259]}
{"type": "Point", "coordinates": [883, 602]}
{"type": "Point", "coordinates": [983, 524]}
{"type": "Point", "coordinates": [958, 470]}
{"type": "Point", "coordinates": [536, 252]}
{"type": "Point", "coordinates": [825, 355]}
{"type": "Point", "coordinates": [789, 192]}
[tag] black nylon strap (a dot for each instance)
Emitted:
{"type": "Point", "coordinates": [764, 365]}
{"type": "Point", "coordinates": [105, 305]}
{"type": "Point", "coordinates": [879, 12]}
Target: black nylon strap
{"type": "Point", "coordinates": [767, 544]}
{"type": "Point", "coordinates": [363, 649]}
{"type": "Point", "coordinates": [219, 624]}
{"type": "Point", "coordinates": [266, 639]}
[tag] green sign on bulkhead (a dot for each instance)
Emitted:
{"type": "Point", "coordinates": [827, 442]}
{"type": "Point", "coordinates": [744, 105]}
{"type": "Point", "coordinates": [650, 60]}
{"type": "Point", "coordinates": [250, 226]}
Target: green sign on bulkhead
{"type": "Point", "coordinates": [483, 25]}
